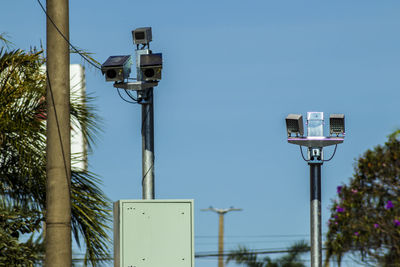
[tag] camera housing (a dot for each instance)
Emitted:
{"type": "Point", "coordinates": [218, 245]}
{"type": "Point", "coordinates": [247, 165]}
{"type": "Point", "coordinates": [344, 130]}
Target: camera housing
{"type": "Point", "coordinates": [151, 66]}
{"type": "Point", "coordinates": [117, 68]}
{"type": "Point", "coordinates": [142, 35]}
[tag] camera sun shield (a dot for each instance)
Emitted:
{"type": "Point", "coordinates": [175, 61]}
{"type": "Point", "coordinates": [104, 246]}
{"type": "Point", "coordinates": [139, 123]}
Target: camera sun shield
{"type": "Point", "coordinates": [117, 68]}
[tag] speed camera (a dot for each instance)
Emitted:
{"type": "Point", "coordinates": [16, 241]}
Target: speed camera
{"type": "Point", "coordinates": [117, 68]}
{"type": "Point", "coordinates": [150, 67]}
{"type": "Point", "coordinates": [142, 35]}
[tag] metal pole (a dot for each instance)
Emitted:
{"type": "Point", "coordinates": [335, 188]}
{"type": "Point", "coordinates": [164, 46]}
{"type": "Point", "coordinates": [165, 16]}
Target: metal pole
{"type": "Point", "coordinates": [315, 214]}
{"type": "Point", "coordinates": [148, 146]}
{"type": "Point", "coordinates": [221, 240]}
{"type": "Point", "coordinates": [58, 201]}
{"type": "Point", "coordinates": [146, 100]}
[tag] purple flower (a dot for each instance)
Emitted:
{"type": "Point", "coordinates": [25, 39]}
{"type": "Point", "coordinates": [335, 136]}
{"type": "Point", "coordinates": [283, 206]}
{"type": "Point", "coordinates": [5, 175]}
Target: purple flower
{"type": "Point", "coordinates": [354, 191]}
{"type": "Point", "coordinates": [356, 233]}
{"type": "Point", "coordinates": [396, 222]}
{"type": "Point", "coordinates": [339, 189]}
{"type": "Point", "coordinates": [376, 225]}
{"type": "Point", "coordinates": [339, 209]}
{"type": "Point", "coordinates": [389, 205]}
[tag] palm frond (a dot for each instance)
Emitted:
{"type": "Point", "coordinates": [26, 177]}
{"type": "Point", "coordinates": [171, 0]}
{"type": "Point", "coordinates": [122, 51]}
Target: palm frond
{"type": "Point", "coordinates": [23, 146]}
{"type": "Point", "coordinates": [90, 215]}
{"type": "Point", "coordinates": [243, 255]}
{"type": "Point", "coordinates": [85, 55]}
{"type": "Point", "coordinates": [5, 40]}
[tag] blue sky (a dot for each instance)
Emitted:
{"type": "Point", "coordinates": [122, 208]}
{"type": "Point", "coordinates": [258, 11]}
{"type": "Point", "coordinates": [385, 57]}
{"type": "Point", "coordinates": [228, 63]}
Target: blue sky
{"type": "Point", "coordinates": [232, 72]}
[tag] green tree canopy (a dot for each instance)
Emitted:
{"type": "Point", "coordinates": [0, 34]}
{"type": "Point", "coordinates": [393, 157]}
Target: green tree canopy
{"type": "Point", "coordinates": [23, 165]}
{"type": "Point", "coordinates": [365, 219]}
{"type": "Point", "coordinates": [251, 259]}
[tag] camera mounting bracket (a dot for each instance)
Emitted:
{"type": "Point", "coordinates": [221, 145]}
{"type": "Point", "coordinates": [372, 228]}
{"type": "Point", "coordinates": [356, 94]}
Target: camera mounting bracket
{"type": "Point", "coordinates": [136, 86]}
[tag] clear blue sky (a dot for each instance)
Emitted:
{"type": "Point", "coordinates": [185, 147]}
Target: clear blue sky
{"type": "Point", "coordinates": [232, 72]}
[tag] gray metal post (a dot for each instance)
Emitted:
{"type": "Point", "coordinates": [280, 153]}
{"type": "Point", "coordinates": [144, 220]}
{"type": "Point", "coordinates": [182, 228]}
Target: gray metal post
{"type": "Point", "coordinates": [315, 214]}
{"type": "Point", "coordinates": [148, 146]}
{"type": "Point", "coordinates": [315, 142]}
{"type": "Point", "coordinates": [146, 100]}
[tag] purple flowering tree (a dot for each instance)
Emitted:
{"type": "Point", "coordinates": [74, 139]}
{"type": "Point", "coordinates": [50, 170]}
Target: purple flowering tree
{"type": "Point", "coordinates": [365, 218]}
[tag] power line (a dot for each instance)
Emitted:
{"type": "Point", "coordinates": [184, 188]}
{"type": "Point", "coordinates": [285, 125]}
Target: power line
{"type": "Point", "coordinates": [66, 39]}
{"type": "Point", "coordinates": [221, 213]}
{"type": "Point", "coordinates": [78, 52]}
{"type": "Point", "coordinates": [246, 242]}
{"type": "Point", "coordinates": [254, 236]}
{"type": "Point", "coordinates": [80, 258]}
{"type": "Point", "coordinates": [277, 251]}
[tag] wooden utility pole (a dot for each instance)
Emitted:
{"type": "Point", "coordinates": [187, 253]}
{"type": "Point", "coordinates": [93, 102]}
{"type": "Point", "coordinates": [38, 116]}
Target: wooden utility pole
{"type": "Point", "coordinates": [221, 239]}
{"type": "Point", "coordinates": [221, 213]}
{"type": "Point", "coordinates": [58, 201]}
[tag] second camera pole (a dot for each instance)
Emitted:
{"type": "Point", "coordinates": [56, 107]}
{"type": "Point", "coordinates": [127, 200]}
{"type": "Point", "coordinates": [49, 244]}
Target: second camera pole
{"type": "Point", "coordinates": [145, 98]}
{"type": "Point", "coordinates": [148, 147]}
{"type": "Point", "coordinates": [148, 69]}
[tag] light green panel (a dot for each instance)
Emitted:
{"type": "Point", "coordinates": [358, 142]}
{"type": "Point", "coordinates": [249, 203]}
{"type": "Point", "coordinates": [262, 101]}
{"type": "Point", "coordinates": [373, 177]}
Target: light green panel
{"type": "Point", "coordinates": [155, 233]}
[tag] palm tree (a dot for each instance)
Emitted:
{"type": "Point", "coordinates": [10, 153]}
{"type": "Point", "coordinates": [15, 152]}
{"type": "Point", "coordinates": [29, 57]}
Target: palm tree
{"type": "Point", "coordinates": [291, 259]}
{"type": "Point", "coordinates": [23, 161]}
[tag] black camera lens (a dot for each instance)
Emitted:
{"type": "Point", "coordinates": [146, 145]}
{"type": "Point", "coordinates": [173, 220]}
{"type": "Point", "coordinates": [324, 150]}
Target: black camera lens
{"type": "Point", "coordinates": [111, 74]}
{"type": "Point", "coordinates": [139, 35]}
{"type": "Point", "coordinates": [149, 73]}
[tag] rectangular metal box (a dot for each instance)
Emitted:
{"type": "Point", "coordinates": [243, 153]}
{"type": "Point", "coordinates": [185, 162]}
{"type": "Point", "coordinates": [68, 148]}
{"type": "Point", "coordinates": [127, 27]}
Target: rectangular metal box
{"type": "Point", "coordinates": [153, 233]}
{"type": "Point", "coordinates": [142, 35]}
{"type": "Point", "coordinates": [315, 124]}
{"type": "Point", "coordinates": [117, 68]}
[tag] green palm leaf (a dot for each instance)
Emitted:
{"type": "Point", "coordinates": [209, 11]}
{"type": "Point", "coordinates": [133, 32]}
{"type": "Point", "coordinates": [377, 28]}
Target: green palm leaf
{"type": "Point", "coordinates": [23, 146]}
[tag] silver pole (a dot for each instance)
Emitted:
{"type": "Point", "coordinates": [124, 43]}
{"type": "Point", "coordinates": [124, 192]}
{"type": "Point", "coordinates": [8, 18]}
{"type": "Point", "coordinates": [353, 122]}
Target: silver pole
{"type": "Point", "coordinates": [315, 214]}
{"type": "Point", "coordinates": [315, 141]}
{"type": "Point", "coordinates": [146, 100]}
{"type": "Point", "coordinates": [148, 146]}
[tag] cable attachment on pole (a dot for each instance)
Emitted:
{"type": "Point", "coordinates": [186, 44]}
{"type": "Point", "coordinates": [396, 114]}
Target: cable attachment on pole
{"type": "Point", "coordinates": [302, 155]}
{"type": "Point", "coordinates": [145, 97]}
{"type": "Point", "coordinates": [333, 154]}
{"type": "Point", "coordinates": [315, 155]}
